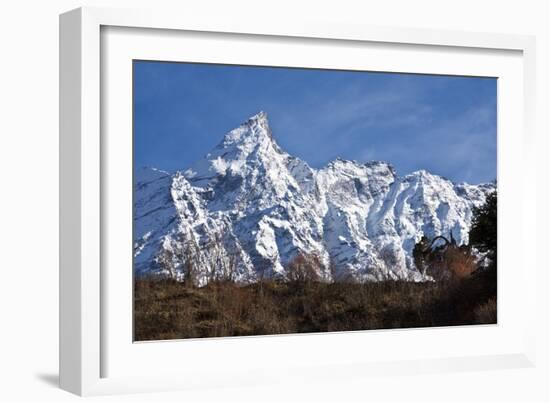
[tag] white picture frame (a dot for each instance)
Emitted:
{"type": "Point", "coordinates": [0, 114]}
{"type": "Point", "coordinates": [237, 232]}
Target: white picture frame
{"type": "Point", "coordinates": [93, 329]}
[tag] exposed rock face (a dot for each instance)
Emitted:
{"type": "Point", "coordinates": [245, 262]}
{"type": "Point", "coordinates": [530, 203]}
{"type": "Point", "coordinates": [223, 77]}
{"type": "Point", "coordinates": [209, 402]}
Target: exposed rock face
{"type": "Point", "coordinates": [248, 208]}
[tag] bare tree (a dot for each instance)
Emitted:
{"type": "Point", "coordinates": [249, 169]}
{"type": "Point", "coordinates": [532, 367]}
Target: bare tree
{"type": "Point", "coordinates": [333, 269]}
{"type": "Point", "coordinates": [221, 263]}
{"type": "Point", "coordinates": [304, 269]}
{"type": "Point", "coordinates": [190, 257]}
{"type": "Point", "coordinates": [165, 260]}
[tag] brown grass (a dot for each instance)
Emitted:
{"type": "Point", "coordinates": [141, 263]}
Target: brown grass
{"type": "Point", "coordinates": [487, 313]}
{"type": "Point", "coordinates": [165, 309]}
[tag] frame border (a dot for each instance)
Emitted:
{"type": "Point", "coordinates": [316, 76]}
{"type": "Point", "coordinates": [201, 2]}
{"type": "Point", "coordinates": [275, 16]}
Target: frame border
{"type": "Point", "coordinates": [80, 306]}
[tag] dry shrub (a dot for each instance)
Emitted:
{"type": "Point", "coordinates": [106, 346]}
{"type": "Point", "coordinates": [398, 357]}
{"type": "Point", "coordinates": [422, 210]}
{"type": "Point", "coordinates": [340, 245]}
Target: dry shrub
{"type": "Point", "coordinates": [453, 263]}
{"type": "Point", "coordinates": [460, 262]}
{"type": "Point", "coordinates": [486, 313]}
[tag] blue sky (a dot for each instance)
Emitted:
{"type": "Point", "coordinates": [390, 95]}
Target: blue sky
{"type": "Point", "coordinates": [444, 124]}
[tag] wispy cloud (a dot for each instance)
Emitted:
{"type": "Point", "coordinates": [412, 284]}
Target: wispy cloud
{"type": "Point", "coordinates": [396, 123]}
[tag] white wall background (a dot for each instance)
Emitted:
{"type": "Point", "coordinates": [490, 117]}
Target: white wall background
{"type": "Point", "coordinates": [29, 200]}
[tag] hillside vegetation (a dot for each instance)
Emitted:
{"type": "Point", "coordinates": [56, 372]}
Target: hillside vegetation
{"type": "Point", "coordinates": [462, 293]}
{"type": "Point", "coordinates": [166, 309]}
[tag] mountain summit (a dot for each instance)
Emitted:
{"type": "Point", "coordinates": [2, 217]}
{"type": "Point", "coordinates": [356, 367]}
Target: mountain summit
{"type": "Point", "coordinates": [248, 210]}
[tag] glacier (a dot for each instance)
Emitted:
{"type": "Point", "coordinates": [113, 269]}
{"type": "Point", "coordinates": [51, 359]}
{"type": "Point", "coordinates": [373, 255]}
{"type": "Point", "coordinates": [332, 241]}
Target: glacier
{"type": "Point", "coordinates": [247, 209]}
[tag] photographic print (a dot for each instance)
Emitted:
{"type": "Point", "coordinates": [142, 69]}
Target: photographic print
{"type": "Point", "coordinates": [270, 200]}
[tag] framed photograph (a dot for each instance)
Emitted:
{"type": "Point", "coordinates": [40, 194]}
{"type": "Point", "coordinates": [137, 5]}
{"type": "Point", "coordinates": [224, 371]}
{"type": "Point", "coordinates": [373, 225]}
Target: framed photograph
{"type": "Point", "coordinates": [247, 202]}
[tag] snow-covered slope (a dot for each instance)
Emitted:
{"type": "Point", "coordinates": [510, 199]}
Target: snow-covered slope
{"type": "Point", "coordinates": [248, 209]}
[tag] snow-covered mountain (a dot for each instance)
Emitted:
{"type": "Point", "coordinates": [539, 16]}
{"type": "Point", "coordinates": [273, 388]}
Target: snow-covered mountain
{"type": "Point", "coordinates": [248, 209]}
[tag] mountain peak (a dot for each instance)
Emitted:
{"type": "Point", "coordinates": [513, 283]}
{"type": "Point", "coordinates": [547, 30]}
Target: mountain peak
{"type": "Point", "coordinates": [241, 151]}
{"type": "Point", "coordinates": [259, 117]}
{"type": "Point", "coordinates": [254, 130]}
{"type": "Point", "coordinates": [264, 207]}
{"type": "Point", "coordinates": [426, 176]}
